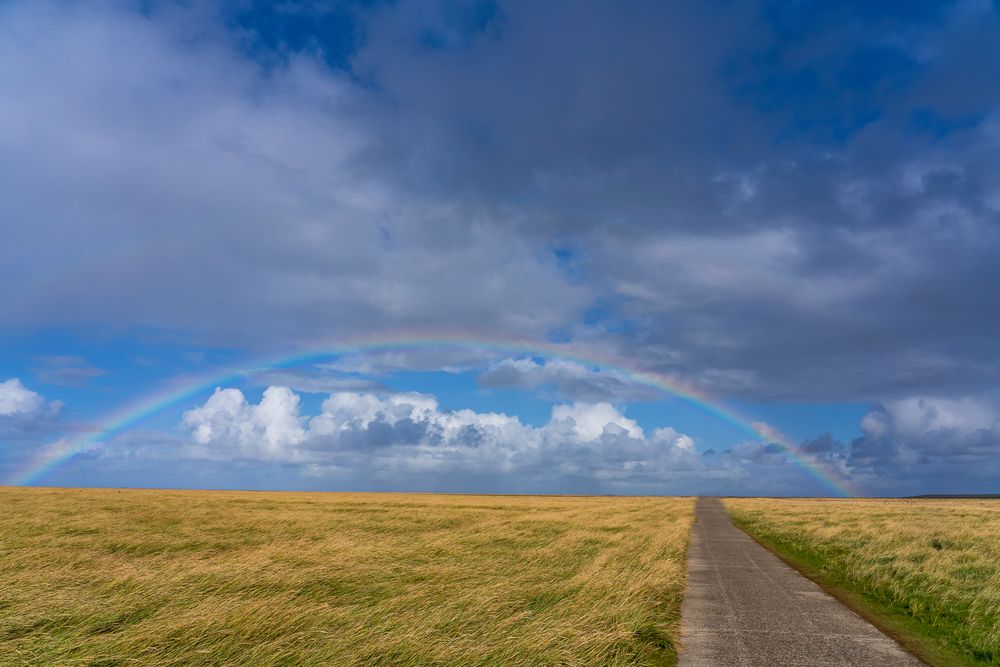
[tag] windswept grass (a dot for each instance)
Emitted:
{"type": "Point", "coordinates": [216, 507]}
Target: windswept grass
{"type": "Point", "coordinates": [929, 568]}
{"type": "Point", "coordinates": [108, 577]}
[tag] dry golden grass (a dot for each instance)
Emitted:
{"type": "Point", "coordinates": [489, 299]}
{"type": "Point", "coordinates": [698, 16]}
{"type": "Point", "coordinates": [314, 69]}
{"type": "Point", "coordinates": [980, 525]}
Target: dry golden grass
{"type": "Point", "coordinates": [229, 578]}
{"type": "Point", "coordinates": [936, 561]}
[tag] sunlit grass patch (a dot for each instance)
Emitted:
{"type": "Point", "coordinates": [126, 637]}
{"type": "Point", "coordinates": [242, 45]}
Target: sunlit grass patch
{"type": "Point", "coordinates": [179, 577]}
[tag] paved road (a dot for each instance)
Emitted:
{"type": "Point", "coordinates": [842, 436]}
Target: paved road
{"type": "Point", "coordinates": [744, 607]}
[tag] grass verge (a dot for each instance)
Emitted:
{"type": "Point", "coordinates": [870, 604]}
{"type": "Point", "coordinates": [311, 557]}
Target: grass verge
{"type": "Point", "coordinates": [926, 572]}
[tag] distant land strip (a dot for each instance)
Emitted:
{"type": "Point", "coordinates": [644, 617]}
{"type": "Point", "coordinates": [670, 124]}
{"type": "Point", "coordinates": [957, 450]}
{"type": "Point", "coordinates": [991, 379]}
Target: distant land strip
{"type": "Point", "coordinates": [971, 496]}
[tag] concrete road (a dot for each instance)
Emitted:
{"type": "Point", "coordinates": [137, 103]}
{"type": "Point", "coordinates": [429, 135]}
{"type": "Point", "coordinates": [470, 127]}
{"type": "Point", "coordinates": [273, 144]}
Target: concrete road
{"type": "Point", "coordinates": [744, 606]}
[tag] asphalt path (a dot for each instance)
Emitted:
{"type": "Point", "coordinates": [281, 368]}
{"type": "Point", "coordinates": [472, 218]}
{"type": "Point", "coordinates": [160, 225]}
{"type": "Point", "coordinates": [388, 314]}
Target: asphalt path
{"type": "Point", "coordinates": [743, 606]}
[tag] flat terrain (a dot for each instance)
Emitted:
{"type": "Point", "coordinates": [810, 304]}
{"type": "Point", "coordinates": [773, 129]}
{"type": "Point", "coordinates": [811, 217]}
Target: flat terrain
{"type": "Point", "coordinates": [745, 608]}
{"type": "Point", "coordinates": [930, 568]}
{"type": "Point", "coordinates": [184, 577]}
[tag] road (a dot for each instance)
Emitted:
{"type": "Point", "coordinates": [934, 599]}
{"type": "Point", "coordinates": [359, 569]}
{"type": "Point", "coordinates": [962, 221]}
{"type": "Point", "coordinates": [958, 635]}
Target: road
{"type": "Point", "coordinates": [744, 606]}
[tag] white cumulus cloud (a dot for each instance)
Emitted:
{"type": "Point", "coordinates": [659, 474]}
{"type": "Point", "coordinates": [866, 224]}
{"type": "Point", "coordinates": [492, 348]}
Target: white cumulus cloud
{"type": "Point", "coordinates": [916, 416]}
{"type": "Point", "coordinates": [269, 430]}
{"type": "Point", "coordinates": [591, 421]}
{"type": "Point", "coordinates": [16, 399]}
{"type": "Point", "coordinates": [410, 433]}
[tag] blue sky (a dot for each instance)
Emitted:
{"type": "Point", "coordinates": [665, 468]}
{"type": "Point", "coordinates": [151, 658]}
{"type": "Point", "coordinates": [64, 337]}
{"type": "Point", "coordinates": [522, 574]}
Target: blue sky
{"type": "Point", "coordinates": [787, 212]}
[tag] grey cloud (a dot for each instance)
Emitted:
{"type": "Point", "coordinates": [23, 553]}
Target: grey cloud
{"type": "Point", "coordinates": [759, 453]}
{"type": "Point", "coordinates": [425, 185]}
{"type": "Point", "coordinates": [253, 181]}
{"type": "Point", "coordinates": [382, 433]}
{"type": "Point", "coordinates": [455, 358]}
{"type": "Point", "coordinates": [776, 261]}
{"type": "Point", "coordinates": [919, 445]}
{"type": "Point", "coordinates": [917, 437]}
{"type": "Point", "coordinates": [823, 444]}
{"type": "Point", "coordinates": [67, 370]}
{"type": "Point", "coordinates": [314, 381]}
{"type": "Point", "coordinates": [18, 400]}
{"type": "Point", "coordinates": [28, 421]}
{"type": "Point", "coordinates": [567, 380]}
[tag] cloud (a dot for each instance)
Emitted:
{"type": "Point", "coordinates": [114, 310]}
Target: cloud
{"type": "Point", "coordinates": [823, 444]}
{"type": "Point", "coordinates": [166, 133]}
{"type": "Point", "coordinates": [568, 379]}
{"type": "Point", "coordinates": [67, 370]}
{"type": "Point", "coordinates": [800, 246]}
{"type": "Point", "coordinates": [16, 399]}
{"type": "Point", "coordinates": [920, 435]}
{"type": "Point", "coordinates": [357, 205]}
{"type": "Point", "coordinates": [919, 445]}
{"type": "Point", "coordinates": [314, 381]}
{"type": "Point", "coordinates": [662, 180]}
{"type": "Point", "coordinates": [269, 430]}
{"type": "Point", "coordinates": [768, 432]}
{"type": "Point", "coordinates": [409, 434]}
{"type": "Point", "coordinates": [400, 441]}
{"type": "Point", "coordinates": [823, 453]}
{"type": "Point", "coordinates": [590, 422]}
{"type": "Point", "coordinates": [760, 453]}
{"type": "Point", "coordinates": [448, 358]}
{"type": "Point", "coordinates": [27, 422]}
{"type": "Point", "coordinates": [914, 416]}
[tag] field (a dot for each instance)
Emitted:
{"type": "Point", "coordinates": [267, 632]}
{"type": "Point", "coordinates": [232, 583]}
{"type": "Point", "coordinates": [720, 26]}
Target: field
{"type": "Point", "coordinates": [109, 577]}
{"type": "Point", "coordinates": [928, 570]}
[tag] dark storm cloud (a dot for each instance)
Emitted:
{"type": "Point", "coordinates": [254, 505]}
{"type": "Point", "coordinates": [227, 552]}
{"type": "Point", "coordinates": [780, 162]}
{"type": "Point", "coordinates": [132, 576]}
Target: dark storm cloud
{"type": "Point", "coordinates": [163, 179]}
{"type": "Point", "coordinates": [784, 199]}
{"type": "Point", "coordinates": [747, 238]}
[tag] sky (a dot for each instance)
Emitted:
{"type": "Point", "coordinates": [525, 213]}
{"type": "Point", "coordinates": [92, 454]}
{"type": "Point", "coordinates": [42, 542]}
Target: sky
{"type": "Point", "coordinates": [714, 247]}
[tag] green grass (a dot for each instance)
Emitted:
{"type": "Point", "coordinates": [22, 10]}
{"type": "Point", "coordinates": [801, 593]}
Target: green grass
{"type": "Point", "coordinates": [108, 577]}
{"type": "Point", "coordinates": [926, 571]}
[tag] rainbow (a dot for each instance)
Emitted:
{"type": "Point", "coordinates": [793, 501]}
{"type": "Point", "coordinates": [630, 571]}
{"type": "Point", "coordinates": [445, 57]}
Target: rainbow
{"type": "Point", "coordinates": [173, 393]}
